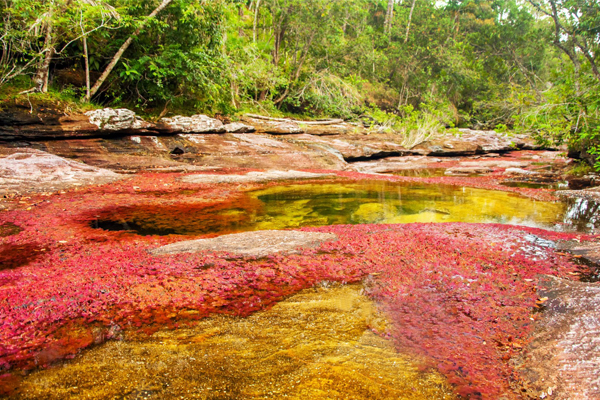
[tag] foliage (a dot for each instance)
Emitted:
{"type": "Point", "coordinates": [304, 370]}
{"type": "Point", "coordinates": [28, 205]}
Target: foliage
{"type": "Point", "coordinates": [488, 62]}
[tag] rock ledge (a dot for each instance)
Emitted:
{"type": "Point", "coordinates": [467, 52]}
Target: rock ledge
{"type": "Point", "coordinates": [251, 244]}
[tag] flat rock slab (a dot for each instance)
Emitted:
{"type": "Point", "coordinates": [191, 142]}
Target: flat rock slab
{"type": "Point", "coordinates": [251, 244]}
{"type": "Point", "coordinates": [34, 170]}
{"type": "Point", "coordinates": [251, 177]}
{"type": "Point", "coordinates": [586, 249]}
{"type": "Point", "coordinates": [563, 358]}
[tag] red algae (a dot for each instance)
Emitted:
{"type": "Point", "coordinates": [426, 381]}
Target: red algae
{"type": "Point", "coordinates": [461, 295]}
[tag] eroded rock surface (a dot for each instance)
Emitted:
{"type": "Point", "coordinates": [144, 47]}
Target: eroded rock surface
{"type": "Point", "coordinates": [356, 147]}
{"type": "Point", "coordinates": [194, 124]}
{"type": "Point", "coordinates": [251, 244]}
{"type": "Point", "coordinates": [273, 127]}
{"type": "Point", "coordinates": [198, 151]}
{"type": "Point", "coordinates": [238, 127]}
{"type": "Point", "coordinates": [585, 249]}
{"type": "Point", "coordinates": [120, 119]}
{"type": "Point", "coordinates": [34, 170]}
{"type": "Point", "coordinates": [564, 357]}
{"type": "Point", "coordinates": [254, 176]}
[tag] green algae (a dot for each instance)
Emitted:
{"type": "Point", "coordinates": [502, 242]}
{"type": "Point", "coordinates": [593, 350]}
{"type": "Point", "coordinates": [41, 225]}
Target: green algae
{"type": "Point", "coordinates": [318, 344]}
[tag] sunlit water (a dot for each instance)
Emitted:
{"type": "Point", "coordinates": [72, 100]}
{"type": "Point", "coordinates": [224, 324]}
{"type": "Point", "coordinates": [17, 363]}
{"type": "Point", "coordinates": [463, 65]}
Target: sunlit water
{"type": "Point", "coordinates": [317, 344]}
{"type": "Point", "coordinates": [365, 202]}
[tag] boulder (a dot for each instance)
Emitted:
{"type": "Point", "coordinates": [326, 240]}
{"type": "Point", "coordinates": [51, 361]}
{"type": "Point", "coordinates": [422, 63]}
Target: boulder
{"type": "Point", "coordinates": [447, 146]}
{"type": "Point", "coordinates": [120, 119]}
{"type": "Point", "coordinates": [274, 127]}
{"type": "Point", "coordinates": [355, 147]}
{"type": "Point", "coordinates": [251, 244]}
{"type": "Point", "coordinates": [238, 127]}
{"type": "Point", "coordinates": [331, 129]}
{"type": "Point", "coordinates": [194, 124]}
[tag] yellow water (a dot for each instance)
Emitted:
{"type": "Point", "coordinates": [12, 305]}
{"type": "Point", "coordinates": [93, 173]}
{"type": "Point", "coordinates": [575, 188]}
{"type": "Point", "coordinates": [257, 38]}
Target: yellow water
{"type": "Point", "coordinates": [384, 202]}
{"type": "Point", "coordinates": [315, 345]}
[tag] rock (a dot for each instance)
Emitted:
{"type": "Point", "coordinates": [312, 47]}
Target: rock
{"type": "Point", "coordinates": [33, 170]}
{"type": "Point", "coordinates": [41, 123]}
{"type": "Point", "coordinates": [194, 124]}
{"type": "Point", "coordinates": [562, 360]}
{"type": "Point", "coordinates": [492, 141]}
{"type": "Point", "coordinates": [355, 147]}
{"type": "Point", "coordinates": [332, 129]}
{"type": "Point", "coordinates": [495, 164]}
{"type": "Point", "coordinates": [519, 171]}
{"type": "Point", "coordinates": [120, 119]}
{"type": "Point", "coordinates": [587, 250]}
{"type": "Point", "coordinates": [274, 127]}
{"type": "Point", "coordinates": [201, 151]}
{"type": "Point", "coordinates": [238, 127]}
{"type": "Point", "coordinates": [471, 142]}
{"type": "Point", "coordinates": [447, 146]}
{"type": "Point", "coordinates": [394, 164]}
{"type": "Point", "coordinates": [577, 183]}
{"type": "Point", "coordinates": [468, 170]}
{"type": "Point", "coordinates": [251, 244]}
{"type": "Point", "coordinates": [253, 176]}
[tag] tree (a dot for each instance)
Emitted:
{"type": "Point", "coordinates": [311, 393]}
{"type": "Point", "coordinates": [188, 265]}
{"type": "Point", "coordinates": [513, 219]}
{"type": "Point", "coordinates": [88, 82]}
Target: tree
{"type": "Point", "coordinates": [115, 59]}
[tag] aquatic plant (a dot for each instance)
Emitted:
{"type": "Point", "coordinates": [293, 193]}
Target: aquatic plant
{"type": "Point", "coordinates": [460, 294]}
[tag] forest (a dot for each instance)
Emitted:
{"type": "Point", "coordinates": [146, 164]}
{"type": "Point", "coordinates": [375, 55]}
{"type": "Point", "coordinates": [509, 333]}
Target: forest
{"type": "Point", "coordinates": [509, 65]}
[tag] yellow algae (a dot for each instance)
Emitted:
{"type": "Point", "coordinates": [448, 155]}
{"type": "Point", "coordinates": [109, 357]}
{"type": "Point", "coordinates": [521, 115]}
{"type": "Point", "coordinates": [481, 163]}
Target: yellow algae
{"type": "Point", "coordinates": [317, 344]}
{"type": "Point", "coordinates": [386, 202]}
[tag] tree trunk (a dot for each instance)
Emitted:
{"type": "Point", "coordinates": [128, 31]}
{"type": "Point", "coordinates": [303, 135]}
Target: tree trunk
{"type": "Point", "coordinates": [87, 67]}
{"type": "Point", "coordinates": [124, 47]}
{"type": "Point", "coordinates": [412, 8]}
{"type": "Point", "coordinates": [389, 16]}
{"type": "Point", "coordinates": [43, 71]}
{"type": "Point", "coordinates": [298, 69]}
{"type": "Point", "coordinates": [256, 11]}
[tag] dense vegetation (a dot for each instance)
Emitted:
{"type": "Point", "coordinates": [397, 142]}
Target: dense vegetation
{"type": "Point", "coordinates": [521, 64]}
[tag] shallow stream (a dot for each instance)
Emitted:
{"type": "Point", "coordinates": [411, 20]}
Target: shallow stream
{"type": "Point", "coordinates": [363, 202]}
{"type": "Point", "coordinates": [318, 344]}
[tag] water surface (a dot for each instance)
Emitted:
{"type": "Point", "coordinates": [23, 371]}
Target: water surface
{"type": "Point", "coordinates": [363, 202]}
{"type": "Point", "coordinates": [318, 344]}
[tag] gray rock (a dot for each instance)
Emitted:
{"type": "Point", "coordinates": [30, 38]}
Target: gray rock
{"type": "Point", "coordinates": [194, 124]}
{"type": "Point", "coordinates": [238, 127]}
{"type": "Point", "coordinates": [28, 170]}
{"type": "Point", "coordinates": [251, 244]}
{"type": "Point", "coordinates": [118, 119]}
{"type": "Point", "coordinates": [274, 127]}
{"type": "Point", "coordinates": [519, 171]}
